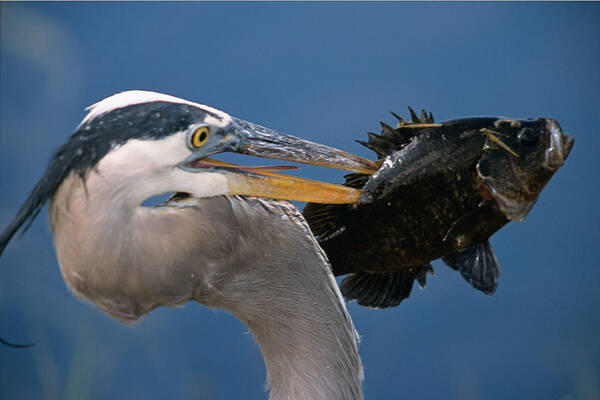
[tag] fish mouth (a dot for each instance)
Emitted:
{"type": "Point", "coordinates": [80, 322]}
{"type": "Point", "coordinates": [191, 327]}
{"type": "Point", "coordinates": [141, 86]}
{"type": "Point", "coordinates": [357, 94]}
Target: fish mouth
{"type": "Point", "coordinates": [560, 145]}
{"type": "Point", "coordinates": [569, 141]}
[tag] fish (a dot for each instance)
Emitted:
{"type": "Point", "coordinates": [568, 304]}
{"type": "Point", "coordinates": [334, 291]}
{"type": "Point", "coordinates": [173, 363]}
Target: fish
{"type": "Point", "coordinates": [441, 191]}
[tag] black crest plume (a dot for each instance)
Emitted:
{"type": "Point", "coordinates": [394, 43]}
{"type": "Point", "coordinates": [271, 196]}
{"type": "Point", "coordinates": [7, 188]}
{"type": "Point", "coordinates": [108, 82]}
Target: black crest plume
{"type": "Point", "coordinates": [91, 141]}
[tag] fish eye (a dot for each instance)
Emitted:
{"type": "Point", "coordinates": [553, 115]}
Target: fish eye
{"type": "Point", "coordinates": [198, 136]}
{"type": "Point", "coordinates": [527, 137]}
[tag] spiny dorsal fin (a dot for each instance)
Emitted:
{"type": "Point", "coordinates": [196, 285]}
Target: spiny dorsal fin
{"type": "Point", "coordinates": [390, 133]}
{"type": "Point", "coordinates": [401, 120]}
{"type": "Point", "coordinates": [325, 219]}
{"type": "Point", "coordinates": [383, 145]}
{"type": "Point", "coordinates": [425, 119]}
{"type": "Point", "coordinates": [399, 136]}
{"type": "Point", "coordinates": [407, 131]}
{"type": "Point", "coordinates": [382, 142]}
{"type": "Point", "coordinates": [413, 116]}
{"type": "Point", "coordinates": [383, 289]}
{"type": "Point", "coordinates": [380, 153]}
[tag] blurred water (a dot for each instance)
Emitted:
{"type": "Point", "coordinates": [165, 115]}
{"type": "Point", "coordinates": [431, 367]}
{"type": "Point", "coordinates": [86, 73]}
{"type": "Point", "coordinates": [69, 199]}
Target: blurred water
{"type": "Point", "coordinates": [327, 72]}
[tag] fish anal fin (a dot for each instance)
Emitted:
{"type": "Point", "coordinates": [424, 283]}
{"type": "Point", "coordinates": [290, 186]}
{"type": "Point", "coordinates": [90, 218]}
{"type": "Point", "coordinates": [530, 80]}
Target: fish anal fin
{"type": "Point", "coordinates": [383, 289]}
{"type": "Point", "coordinates": [478, 265]}
{"type": "Point", "coordinates": [421, 274]}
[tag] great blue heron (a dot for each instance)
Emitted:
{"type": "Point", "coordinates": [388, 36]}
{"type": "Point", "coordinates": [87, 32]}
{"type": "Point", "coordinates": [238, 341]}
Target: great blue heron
{"type": "Point", "coordinates": [256, 258]}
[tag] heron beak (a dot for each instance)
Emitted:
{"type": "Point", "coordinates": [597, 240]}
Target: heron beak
{"type": "Point", "coordinates": [251, 139]}
{"type": "Point", "coordinates": [265, 182]}
{"type": "Point", "coordinates": [263, 142]}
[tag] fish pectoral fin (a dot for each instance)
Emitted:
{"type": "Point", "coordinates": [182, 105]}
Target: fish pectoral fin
{"type": "Point", "coordinates": [478, 265]}
{"type": "Point", "coordinates": [383, 289]}
{"type": "Point", "coordinates": [474, 227]}
{"type": "Point", "coordinates": [460, 232]}
{"type": "Point", "coordinates": [325, 220]}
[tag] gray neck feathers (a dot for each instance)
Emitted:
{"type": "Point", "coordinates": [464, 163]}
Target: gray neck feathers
{"type": "Point", "coordinates": [255, 258]}
{"type": "Point", "coordinates": [291, 302]}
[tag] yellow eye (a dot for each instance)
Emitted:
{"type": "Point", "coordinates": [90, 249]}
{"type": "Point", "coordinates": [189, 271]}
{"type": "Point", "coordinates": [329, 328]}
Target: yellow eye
{"type": "Point", "coordinates": [199, 136]}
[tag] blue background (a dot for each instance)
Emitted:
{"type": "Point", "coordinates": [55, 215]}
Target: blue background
{"type": "Point", "coordinates": [327, 72]}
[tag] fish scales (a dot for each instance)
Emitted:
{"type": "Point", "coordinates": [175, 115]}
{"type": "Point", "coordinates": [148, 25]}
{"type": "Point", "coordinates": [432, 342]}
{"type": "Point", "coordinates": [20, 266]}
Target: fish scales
{"type": "Point", "coordinates": [441, 192]}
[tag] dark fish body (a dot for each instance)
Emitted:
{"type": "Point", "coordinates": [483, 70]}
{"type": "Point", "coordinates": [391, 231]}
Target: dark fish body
{"type": "Point", "coordinates": [442, 190]}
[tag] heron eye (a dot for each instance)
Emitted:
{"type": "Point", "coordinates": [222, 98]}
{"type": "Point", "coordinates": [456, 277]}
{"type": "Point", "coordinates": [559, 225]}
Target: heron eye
{"type": "Point", "coordinates": [199, 137]}
{"type": "Point", "coordinates": [528, 137]}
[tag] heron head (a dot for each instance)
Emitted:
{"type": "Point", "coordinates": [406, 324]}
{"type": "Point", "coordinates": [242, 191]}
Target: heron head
{"type": "Point", "coordinates": [160, 143]}
{"type": "Point", "coordinates": [172, 140]}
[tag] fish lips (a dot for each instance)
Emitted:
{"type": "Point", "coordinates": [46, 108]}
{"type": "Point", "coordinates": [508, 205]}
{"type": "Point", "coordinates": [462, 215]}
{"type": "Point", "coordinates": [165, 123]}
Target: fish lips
{"type": "Point", "coordinates": [560, 145]}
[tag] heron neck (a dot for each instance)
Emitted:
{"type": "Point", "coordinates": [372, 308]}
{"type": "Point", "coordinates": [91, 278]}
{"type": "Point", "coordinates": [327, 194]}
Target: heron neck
{"type": "Point", "coordinates": [292, 304]}
{"type": "Point", "coordinates": [308, 358]}
{"type": "Point", "coordinates": [256, 258]}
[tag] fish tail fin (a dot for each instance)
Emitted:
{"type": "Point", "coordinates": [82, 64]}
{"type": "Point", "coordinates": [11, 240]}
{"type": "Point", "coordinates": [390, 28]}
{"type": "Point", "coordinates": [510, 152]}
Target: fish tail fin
{"type": "Point", "coordinates": [383, 289]}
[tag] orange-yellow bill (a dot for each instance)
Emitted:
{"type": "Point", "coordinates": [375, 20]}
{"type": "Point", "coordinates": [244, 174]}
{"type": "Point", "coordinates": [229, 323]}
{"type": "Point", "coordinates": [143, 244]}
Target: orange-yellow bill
{"type": "Point", "coordinates": [263, 182]}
